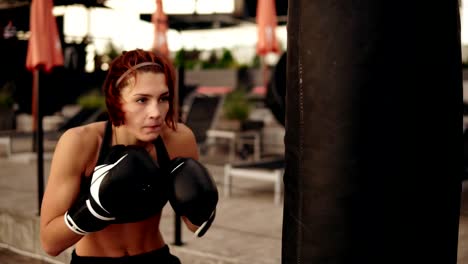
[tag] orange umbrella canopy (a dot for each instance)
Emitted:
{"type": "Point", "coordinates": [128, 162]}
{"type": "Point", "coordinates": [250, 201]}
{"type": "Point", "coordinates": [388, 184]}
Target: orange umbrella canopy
{"type": "Point", "coordinates": [266, 23]}
{"type": "Point", "coordinates": [160, 22]}
{"type": "Point", "coordinates": [44, 48]}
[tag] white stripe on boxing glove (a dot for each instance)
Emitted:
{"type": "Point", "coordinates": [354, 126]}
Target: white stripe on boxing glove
{"type": "Point", "coordinates": [98, 176]}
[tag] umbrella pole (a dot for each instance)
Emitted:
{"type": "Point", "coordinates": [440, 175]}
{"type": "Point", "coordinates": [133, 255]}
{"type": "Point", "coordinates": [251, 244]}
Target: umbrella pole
{"type": "Point", "coordinates": [38, 132]}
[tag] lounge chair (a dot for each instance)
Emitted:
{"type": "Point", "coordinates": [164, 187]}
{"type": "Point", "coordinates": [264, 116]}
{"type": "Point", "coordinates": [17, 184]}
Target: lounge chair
{"type": "Point", "coordinates": [270, 170]}
{"type": "Point", "coordinates": [270, 166]}
{"type": "Point", "coordinates": [200, 112]}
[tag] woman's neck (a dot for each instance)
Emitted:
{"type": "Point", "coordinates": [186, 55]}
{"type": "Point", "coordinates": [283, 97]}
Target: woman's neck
{"type": "Point", "coordinates": [121, 136]}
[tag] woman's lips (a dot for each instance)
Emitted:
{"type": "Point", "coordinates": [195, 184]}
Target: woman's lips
{"type": "Point", "coordinates": [153, 127]}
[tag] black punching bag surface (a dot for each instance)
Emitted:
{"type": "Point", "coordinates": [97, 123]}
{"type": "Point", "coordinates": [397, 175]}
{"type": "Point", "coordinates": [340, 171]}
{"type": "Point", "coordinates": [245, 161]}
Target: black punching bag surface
{"type": "Point", "coordinates": [373, 132]}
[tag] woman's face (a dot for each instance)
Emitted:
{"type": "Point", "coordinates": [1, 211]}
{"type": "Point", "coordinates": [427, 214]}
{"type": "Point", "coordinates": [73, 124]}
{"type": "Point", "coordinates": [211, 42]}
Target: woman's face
{"type": "Point", "coordinates": [145, 104]}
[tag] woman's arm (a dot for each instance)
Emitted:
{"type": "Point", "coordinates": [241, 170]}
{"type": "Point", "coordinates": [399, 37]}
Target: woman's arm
{"type": "Point", "coordinates": [71, 156]}
{"type": "Point", "coordinates": [185, 145]}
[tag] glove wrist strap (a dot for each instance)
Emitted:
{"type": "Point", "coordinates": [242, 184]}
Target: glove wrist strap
{"type": "Point", "coordinates": [73, 226]}
{"type": "Point", "coordinates": [206, 225]}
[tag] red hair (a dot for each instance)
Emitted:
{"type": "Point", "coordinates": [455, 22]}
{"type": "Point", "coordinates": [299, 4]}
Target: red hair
{"type": "Point", "coordinates": [125, 65]}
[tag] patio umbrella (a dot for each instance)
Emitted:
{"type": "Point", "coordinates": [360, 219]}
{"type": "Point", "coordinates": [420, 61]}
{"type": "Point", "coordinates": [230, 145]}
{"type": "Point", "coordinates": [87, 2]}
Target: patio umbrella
{"type": "Point", "coordinates": [160, 22]}
{"type": "Point", "coordinates": [266, 25]}
{"type": "Point", "coordinates": [44, 53]}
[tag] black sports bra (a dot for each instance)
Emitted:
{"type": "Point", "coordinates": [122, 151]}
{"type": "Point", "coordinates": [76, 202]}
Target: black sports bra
{"type": "Point", "coordinates": [161, 153]}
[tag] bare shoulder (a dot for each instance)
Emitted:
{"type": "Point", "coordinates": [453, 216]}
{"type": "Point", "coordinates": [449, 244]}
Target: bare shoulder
{"type": "Point", "coordinates": [81, 142]}
{"type": "Point", "coordinates": [181, 142]}
{"type": "Point", "coordinates": [85, 136]}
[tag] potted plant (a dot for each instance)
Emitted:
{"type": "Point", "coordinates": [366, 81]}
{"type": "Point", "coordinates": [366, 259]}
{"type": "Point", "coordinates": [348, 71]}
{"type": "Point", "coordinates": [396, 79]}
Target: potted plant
{"type": "Point", "coordinates": [236, 109]}
{"type": "Point", "coordinates": [93, 106]}
{"type": "Point", "coordinates": [92, 100]}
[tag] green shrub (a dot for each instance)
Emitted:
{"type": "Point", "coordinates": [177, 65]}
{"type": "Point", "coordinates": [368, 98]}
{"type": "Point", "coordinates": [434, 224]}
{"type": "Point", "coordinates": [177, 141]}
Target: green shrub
{"type": "Point", "coordinates": [187, 58]}
{"type": "Point", "coordinates": [237, 105]}
{"type": "Point", "coordinates": [6, 101]}
{"type": "Point", "coordinates": [92, 99]}
{"type": "Point", "coordinates": [227, 60]}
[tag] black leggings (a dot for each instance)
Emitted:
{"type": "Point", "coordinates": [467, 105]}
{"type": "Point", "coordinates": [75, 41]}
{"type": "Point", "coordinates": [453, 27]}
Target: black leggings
{"type": "Point", "coordinates": [158, 256]}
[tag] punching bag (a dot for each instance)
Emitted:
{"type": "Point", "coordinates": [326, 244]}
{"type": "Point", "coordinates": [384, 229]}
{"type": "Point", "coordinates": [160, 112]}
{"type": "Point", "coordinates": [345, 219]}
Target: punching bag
{"type": "Point", "coordinates": [373, 141]}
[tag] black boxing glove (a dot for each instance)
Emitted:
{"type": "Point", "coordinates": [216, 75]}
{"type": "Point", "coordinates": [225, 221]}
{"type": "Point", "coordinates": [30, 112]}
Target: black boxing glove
{"type": "Point", "coordinates": [193, 193]}
{"type": "Point", "coordinates": [82, 218]}
{"type": "Point", "coordinates": [128, 187]}
{"type": "Point", "coordinates": [136, 188]}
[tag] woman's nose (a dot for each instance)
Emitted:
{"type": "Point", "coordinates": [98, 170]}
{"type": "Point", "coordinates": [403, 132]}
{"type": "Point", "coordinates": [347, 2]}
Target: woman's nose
{"type": "Point", "coordinates": [154, 110]}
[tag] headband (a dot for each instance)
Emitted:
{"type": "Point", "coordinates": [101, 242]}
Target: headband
{"type": "Point", "coordinates": [133, 68]}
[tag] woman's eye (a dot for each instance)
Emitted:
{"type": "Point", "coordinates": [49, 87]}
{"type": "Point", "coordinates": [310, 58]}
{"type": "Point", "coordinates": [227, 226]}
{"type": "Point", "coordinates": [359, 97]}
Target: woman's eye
{"type": "Point", "coordinates": [164, 99]}
{"type": "Point", "coordinates": [141, 100]}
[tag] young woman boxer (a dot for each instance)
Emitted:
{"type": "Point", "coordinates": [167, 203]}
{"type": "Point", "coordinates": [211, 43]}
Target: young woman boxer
{"type": "Point", "coordinates": [110, 180]}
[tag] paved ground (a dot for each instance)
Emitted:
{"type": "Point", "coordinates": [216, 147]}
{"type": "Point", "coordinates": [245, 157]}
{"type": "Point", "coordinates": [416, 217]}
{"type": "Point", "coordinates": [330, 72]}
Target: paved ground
{"type": "Point", "coordinates": [8, 256]}
{"type": "Point", "coordinates": [247, 229]}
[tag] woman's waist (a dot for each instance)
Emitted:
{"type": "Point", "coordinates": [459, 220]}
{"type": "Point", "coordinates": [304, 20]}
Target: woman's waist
{"type": "Point", "coordinates": [122, 240]}
{"type": "Point", "coordinates": [159, 255]}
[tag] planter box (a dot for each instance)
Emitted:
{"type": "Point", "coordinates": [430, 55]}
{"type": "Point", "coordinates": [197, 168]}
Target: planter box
{"type": "Point", "coordinates": [229, 125]}
{"type": "Point", "coordinates": [212, 77]}
{"type": "Point", "coordinates": [221, 77]}
{"type": "Point", "coordinates": [24, 123]}
{"type": "Point", "coordinates": [49, 123]}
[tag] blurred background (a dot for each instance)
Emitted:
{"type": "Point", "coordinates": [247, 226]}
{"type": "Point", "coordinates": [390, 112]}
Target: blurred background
{"type": "Point", "coordinates": [212, 40]}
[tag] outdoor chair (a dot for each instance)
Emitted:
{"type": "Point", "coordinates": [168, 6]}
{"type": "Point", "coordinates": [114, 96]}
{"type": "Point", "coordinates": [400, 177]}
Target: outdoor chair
{"type": "Point", "coordinates": [270, 170]}
{"type": "Point", "coordinates": [200, 112]}
{"type": "Point", "coordinates": [268, 167]}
